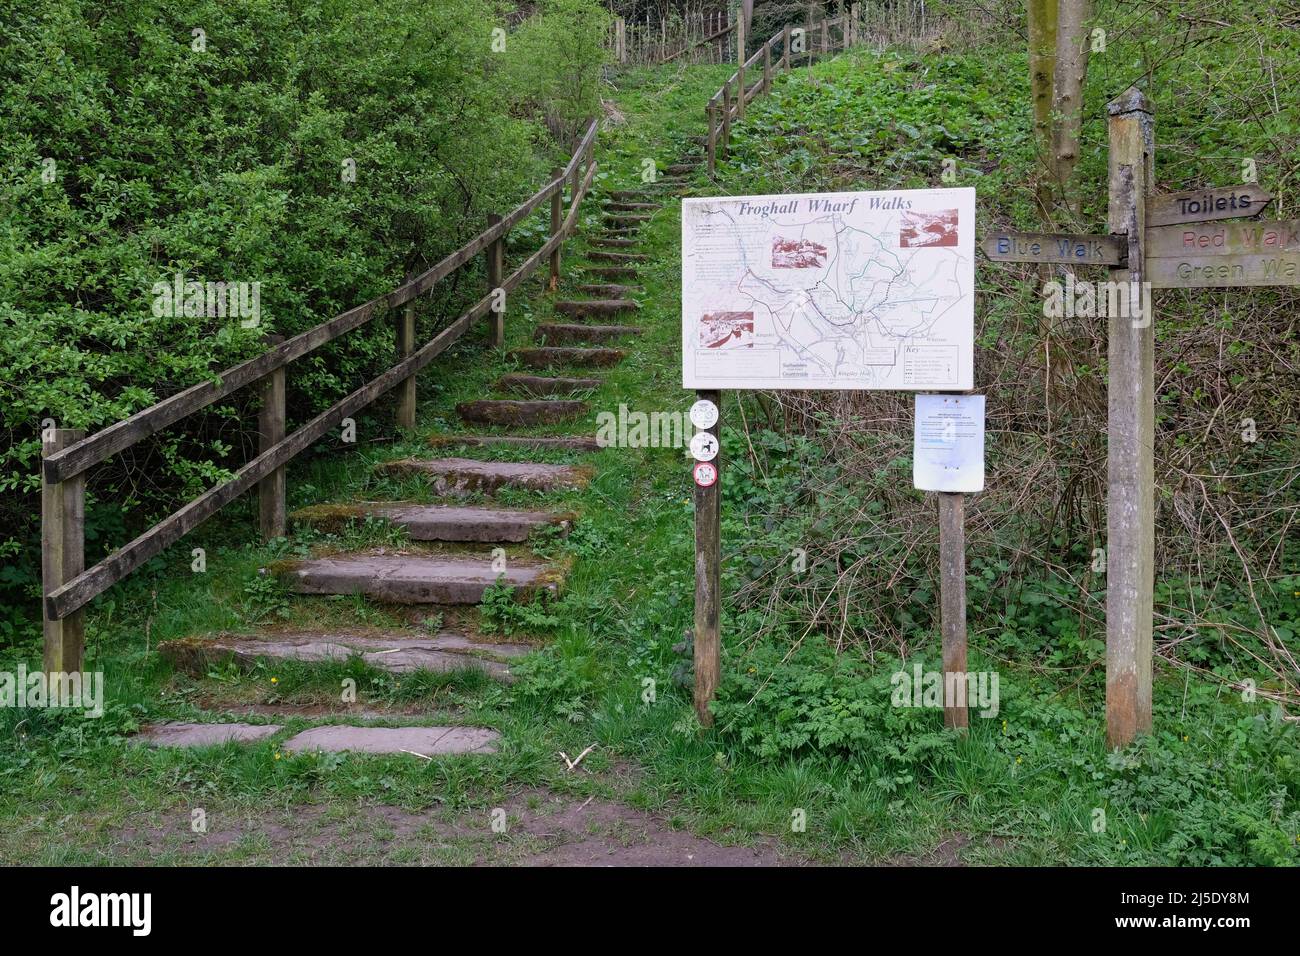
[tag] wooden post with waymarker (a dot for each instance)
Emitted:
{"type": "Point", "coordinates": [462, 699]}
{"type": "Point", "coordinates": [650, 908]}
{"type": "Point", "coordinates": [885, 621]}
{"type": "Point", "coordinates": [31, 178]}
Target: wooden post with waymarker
{"type": "Point", "coordinates": [63, 556]}
{"type": "Point", "coordinates": [707, 474]}
{"type": "Point", "coordinates": [1130, 464]}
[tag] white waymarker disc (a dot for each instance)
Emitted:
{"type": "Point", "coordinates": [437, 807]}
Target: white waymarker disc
{"type": "Point", "coordinates": [704, 414]}
{"type": "Point", "coordinates": [704, 446]}
{"type": "Point", "coordinates": [705, 474]}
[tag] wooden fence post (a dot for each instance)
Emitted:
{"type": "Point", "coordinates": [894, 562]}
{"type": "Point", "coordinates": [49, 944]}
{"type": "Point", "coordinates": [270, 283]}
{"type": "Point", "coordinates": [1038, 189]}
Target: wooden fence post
{"type": "Point", "coordinates": [270, 431]}
{"type": "Point", "coordinates": [952, 597]}
{"type": "Point", "coordinates": [726, 118]}
{"type": "Point", "coordinates": [708, 579]}
{"type": "Point", "coordinates": [405, 415]}
{"type": "Point", "coordinates": [1130, 510]}
{"type": "Point", "coordinates": [711, 145]}
{"type": "Point", "coordinates": [63, 556]}
{"type": "Point", "coordinates": [826, 37]}
{"type": "Point", "coordinates": [496, 257]}
{"type": "Point", "coordinates": [557, 221]}
{"type": "Point", "coordinates": [767, 67]}
{"type": "Point", "coordinates": [854, 20]}
{"type": "Point", "coordinates": [785, 48]}
{"type": "Point", "coordinates": [740, 68]}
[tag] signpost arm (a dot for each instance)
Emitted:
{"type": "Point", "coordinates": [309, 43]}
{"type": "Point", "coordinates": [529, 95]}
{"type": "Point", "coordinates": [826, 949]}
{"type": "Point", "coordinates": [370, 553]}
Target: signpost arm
{"type": "Point", "coordinates": [708, 578]}
{"type": "Point", "coordinates": [1130, 511]}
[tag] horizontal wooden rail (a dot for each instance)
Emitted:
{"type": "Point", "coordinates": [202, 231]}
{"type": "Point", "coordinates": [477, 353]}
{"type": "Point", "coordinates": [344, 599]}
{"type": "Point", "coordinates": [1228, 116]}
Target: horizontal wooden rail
{"type": "Point", "coordinates": [78, 457]}
{"type": "Point", "coordinates": [65, 598]}
{"type": "Point", "coordinates": [729, 28]}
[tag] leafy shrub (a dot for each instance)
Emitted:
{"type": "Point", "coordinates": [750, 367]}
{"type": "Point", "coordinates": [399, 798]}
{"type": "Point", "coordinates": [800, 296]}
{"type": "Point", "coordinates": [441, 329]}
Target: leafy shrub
{"type": "Point", "coordinates": [221, 156]}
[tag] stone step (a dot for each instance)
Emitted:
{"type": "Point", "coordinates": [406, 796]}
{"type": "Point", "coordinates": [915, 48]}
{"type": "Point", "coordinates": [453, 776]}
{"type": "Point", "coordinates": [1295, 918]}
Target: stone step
{"type": "Point", "coordinates": [625, 205]}
{"type": "Point", "coordinates": [554, 332]}
{"type": "Point", "coordinates": [413, 578]}
{"type": "Point", "coordinates": [629, 232]}
{"type": "Point", "coordinates": [566, 442]}
{"type": "Point", "coordinates": [630, 195]}
{"type": "Point", "coordinates": [624, 219]}
{"type": "Point", "coordinates": [615, 243]}
{"type": "Point", "coordinates": [587, 307]}
{"type": "Point", "coordinates": [437, 522]}
{"type": "Point", "coordinates": [611, 272]}
{"type": "Point", "coordinates": [463, 475]}
{"type": "Point", "coordinates": [682, 169]}
{"type": "Point", "coordinates": [397, 652]}
{"type": "Point", "coordinates": [618, 257]}
{"type": "Point", "coordinates": [508, 411]}
{"type": "Point", "coordinates": [178, 734]}
{"type": "Point", "coordinates": [610, 291]}
{"type": "Point", "coordinates": [417, 741]}
{"type": "Point", "coordinates": [538, 385]}
{"type": "Point", "coordinates": [549, 357]}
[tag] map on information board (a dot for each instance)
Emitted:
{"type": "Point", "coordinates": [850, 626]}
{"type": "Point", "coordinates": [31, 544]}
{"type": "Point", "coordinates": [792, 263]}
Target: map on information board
{"type": "Point", "coordinates": [863, 290]}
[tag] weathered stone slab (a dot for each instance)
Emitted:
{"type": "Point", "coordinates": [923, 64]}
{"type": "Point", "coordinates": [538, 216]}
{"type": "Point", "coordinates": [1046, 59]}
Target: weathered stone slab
{"type": "Point", "coordinates": [602, 307]}
{"type": "Point", "coordinates": [427, 741]}
{"type": "Point", "coordinates": [549, 332]}
{"type": "Point", "coordinates": [611, 272]}
{"type": "Point", "coordinates": [548, 357]}
{"type": "Point", "coordinates": [514, 412]}
{"type": "Point", "coordinates": [570, 443]}
{"type": "Point", "coordinates": [412, 578]}
{"type": "Point", "coordinates": [617, 257]}
{"type": "Point", "coordinates": [458, 475]}
{"type": "Point", "coordinates": [610, 291]}
{"type": "Point", "coordinates": [398, 652]}
{"type": "Point", "coordinates": [540, 385]}
{"type": "Point", "coordinates": [437, 522]}
{"type": "Point", "coordinates": [204, 735]}
{"type": "Point", "coordinates": [614, 242]}
{"type": "Point", "coordinates": [630, 206]}
{"type": "Point", "coordinates": [625, 219]}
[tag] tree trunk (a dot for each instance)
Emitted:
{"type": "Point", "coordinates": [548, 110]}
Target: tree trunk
{"type": "Point", "coordinates": [1072, 44]}
{"type": "Point", "coordinates": [1042, 69]}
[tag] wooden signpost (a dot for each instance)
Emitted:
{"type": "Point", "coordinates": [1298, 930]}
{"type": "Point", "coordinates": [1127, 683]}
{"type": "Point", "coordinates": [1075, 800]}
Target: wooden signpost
{"type": "Point", "coordinates": [1202, 238]}
{"type": "Point", "coordinates": [707, 641]}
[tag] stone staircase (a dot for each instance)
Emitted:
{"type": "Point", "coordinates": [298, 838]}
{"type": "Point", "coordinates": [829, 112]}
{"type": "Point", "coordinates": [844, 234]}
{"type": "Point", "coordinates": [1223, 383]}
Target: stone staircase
{"type": "Point", "coordinates": [558, 376]}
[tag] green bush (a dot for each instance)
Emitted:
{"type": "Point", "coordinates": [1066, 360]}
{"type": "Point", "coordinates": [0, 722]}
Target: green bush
{"type": "Point", "coordinates": [136, 147]}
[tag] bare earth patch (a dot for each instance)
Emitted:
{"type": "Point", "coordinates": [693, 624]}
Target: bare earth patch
{"type": "Point", "coordinates": [542, 828]}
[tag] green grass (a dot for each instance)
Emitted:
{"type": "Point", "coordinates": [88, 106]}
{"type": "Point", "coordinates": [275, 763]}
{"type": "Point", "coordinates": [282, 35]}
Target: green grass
{"type": "Point", "coordinates": [805, 734]}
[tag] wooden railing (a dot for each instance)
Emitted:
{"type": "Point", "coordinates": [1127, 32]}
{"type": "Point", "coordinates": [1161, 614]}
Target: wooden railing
{"type": "Point", "coordinates": [728, 104]}
{"type": "Point", "coordinates": [67, 585]}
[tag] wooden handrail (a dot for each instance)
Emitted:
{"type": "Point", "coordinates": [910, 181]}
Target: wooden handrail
{"type": "Point", "coordinates": [70, 596]}
{"type": "Point", "coordinates": [90, 451]}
